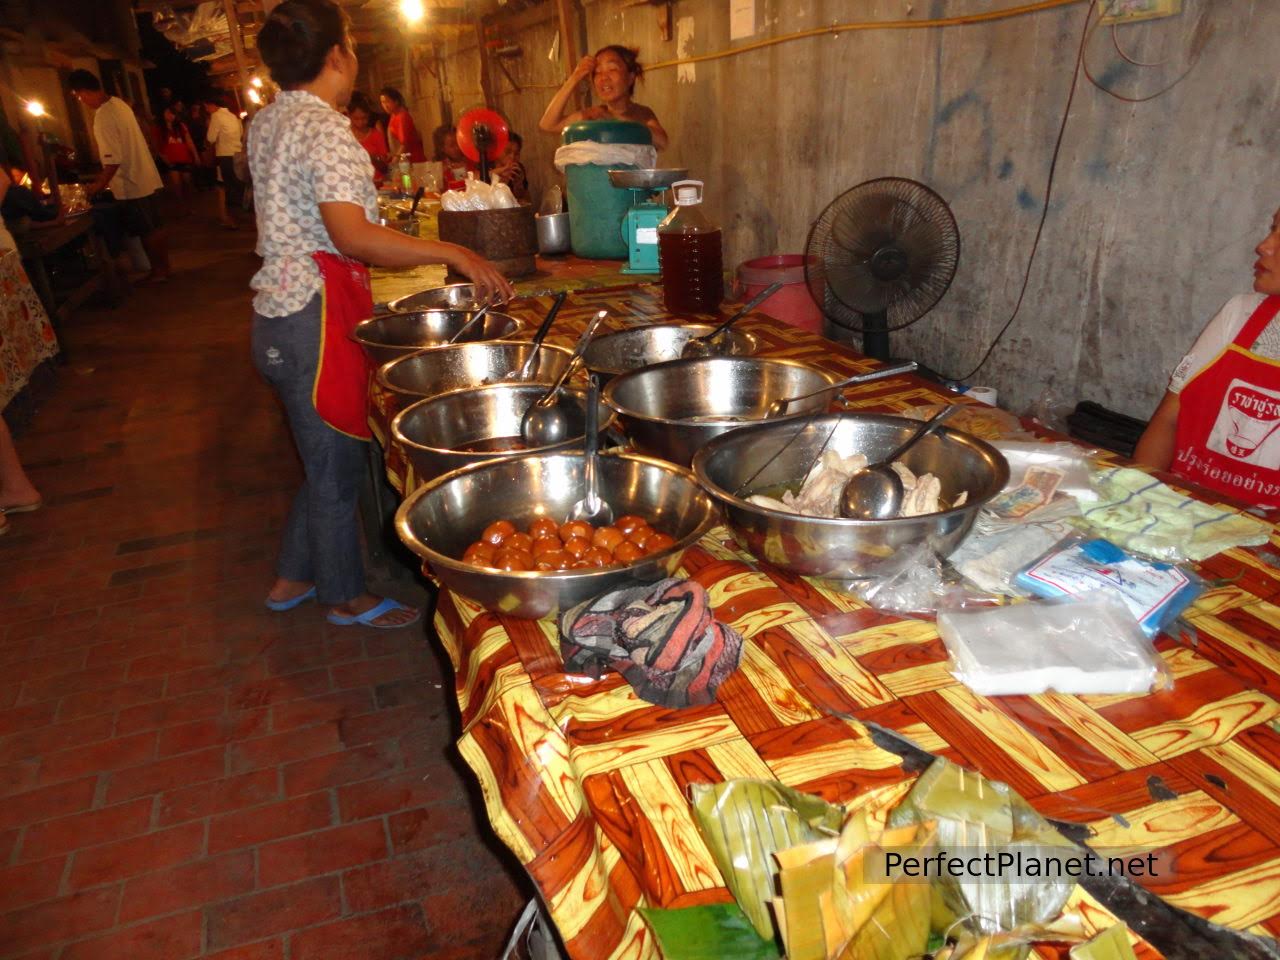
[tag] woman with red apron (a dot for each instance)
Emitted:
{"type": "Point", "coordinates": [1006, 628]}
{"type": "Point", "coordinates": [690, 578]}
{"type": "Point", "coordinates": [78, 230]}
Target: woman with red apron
{"type": "Point", "coordinates": [317, 211]}
{"type": "Point", "coordinates": [1219, 423]}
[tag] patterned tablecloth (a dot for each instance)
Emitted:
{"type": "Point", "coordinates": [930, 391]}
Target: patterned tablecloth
{"type": "Point", "coordinates": [588, 784]}
{"type": "Point", "coordinates": [26, 336]}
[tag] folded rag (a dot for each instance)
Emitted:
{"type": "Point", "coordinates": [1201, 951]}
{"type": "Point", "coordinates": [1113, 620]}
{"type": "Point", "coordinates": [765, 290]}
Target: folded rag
{"type": "Point", "coordinates": [661, 637]}
{"type": "Point", "coordinates": [1138, 512]}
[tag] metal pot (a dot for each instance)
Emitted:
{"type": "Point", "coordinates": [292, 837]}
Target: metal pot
{"type": "Point", "coordinates": [442, 518]}
{"type": "Point", "coordinates": [453, 296]}
{"type": "Point", "coordinates": [836, 548]}
{"type": "Point", "coordinates": [613, 353]}
{"type": "Point", "coordinates": [672, 410]}
{"type": "Point", "coordinates": [434, 432]}
{"type": "Point", "coordinates": [394, 335]}
{"type": "Point", "coordinates": [553, 233]}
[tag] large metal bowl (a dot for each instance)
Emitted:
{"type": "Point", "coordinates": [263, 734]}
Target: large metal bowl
{"type": "Point", "coordinates": [614, 353]}
{"type": "Point", "coordinates": [672, 410]}
{"type": "Point", "coordinates": [654, 179]}
{"type": "Point", "coordinates": [437, 370]}
{"type": "Point", "coordinates": [432, 432]}
{"type": "Point", "coordinates": [454, 296]}
{"type": "Point", "coordinates": [394, 335]}
{"type": "Point", "coordinates": [840, 549]}
{"type": "Point", "coordinates": [441, 519]}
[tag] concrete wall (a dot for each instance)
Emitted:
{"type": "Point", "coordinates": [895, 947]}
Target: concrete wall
{"type": "Point", "coordinates": [1156, 208]}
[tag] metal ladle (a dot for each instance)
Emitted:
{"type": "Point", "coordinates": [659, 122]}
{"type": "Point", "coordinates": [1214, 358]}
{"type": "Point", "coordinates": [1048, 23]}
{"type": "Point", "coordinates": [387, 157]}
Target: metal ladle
{"type": "Point", "coordinates": [544, 423]}
{"type": "Point", "coordinates": [591, 508]}
{"type": "Point", "coordinates": [703, 346]}
{"type": "Point", "coordinates": [875, 492]}
{"type": "Point", "coordinates": [779, 407]}
{"type": "Point", "coordinates": [471, 322]}
{"type": "Point", "coordinates": [526, 368]}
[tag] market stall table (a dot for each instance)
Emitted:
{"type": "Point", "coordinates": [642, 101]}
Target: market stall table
{"type": "Point", "coordinates": [26, 336]}
{"type": "Point", "coordinates": [588, 784]}
{"type": "Point", "coordinates": [40, 244]}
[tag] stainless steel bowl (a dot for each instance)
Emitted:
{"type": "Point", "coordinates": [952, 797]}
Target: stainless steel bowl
{"type": "Point", "coordinates": [553, 233]}
{"type": "Point", "coordinates": [840, 549]}
{"type": "Point", "coordinates": [672, 410]}
{"type": "Point", "coordinates": [437, 370]}
{"type": "Point", "coordinates": [441, 519]}
{"type": "Point", "coordinates": [432, 432]}
{"type": "Point", "coordinates": [613, 353]}
{"type": "Point", "coordinates": [394, 335]}
{"type": "Point", "coordinates": [455, 296]}
{"type": "Point", "coordinates": [654, 179]}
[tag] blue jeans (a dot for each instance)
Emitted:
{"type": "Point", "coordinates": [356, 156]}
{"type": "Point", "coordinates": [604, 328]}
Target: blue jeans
{"type": "Point", "coordinates": [321, 537]}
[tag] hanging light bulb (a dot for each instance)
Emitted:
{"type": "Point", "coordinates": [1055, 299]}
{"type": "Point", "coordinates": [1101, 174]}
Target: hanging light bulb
{"type": "Point", "coordinates": [254, 96]}
{"type": "Point", "coordinates": [35, 108]}
{"type": "Point", "coordinates": [257, 82]}
{"type": "Point", "coordinates": [413, 11]}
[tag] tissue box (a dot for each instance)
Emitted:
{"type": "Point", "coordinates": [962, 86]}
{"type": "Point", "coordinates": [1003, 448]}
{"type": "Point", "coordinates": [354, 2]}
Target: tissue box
{"type": "Point", "coordinates": [507, 237]}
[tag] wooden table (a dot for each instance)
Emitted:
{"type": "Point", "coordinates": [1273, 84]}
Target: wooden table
{"type": "Point", "coordinates": [587, 784]}
{"type": "Point", "coordinates": [39, 243]}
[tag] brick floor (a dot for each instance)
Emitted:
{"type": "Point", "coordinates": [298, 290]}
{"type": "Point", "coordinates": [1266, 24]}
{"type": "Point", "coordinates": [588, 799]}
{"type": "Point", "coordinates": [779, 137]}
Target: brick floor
{"type": "Point", "coordinates": [182, 773]}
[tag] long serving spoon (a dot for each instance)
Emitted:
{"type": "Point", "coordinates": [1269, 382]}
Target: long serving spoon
{"type": "Point", "coordinates": [526, 368]}
{"type": "Point", "coordinates": [474, 319]}
{"type": "Point", "coordinates": [875, 492]}
{"type": "Point", "coordinates": [779, 407]}
{"type": "Point", "coordinates": [544, 423]}
{"type": "Point", "coordinates": [705, 345]}
{"type": "Point", "coordinates": [591, 508]}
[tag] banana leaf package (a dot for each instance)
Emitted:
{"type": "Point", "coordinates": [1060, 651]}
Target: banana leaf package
{"type": "Point", "coordinates": [837, 903]}
{"type": "Point", "coordinates": [975, 816]}
{"type": "Point", "coordinates": [745, 822]}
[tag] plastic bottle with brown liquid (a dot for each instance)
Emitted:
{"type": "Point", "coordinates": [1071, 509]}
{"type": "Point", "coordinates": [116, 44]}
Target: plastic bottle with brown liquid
{"type": "Point", "coordinates": [689, 254]}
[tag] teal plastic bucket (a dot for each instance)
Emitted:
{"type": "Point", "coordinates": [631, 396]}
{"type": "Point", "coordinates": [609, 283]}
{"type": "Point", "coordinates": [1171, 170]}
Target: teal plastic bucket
{"type": "Point", "coordinates": [596, 207]}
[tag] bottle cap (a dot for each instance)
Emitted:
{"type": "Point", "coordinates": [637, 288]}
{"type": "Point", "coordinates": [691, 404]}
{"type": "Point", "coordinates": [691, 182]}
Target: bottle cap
{"type": "Point", "coordinates": [688, 193]}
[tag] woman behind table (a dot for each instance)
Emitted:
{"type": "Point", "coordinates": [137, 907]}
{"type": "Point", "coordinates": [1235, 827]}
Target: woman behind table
{"type": "Point", "coordinates": [178, 151]}
{"type": "Point", "coordinates": [614, 71]}
{"type": "Point", "coordinates": [366, 130]}
{"type": "Point", "coordinates": [401, 130]}
{"type": "Point", "coordinates": [1219, 422]}
{"type": "Point", "coordinates": [316, 205]}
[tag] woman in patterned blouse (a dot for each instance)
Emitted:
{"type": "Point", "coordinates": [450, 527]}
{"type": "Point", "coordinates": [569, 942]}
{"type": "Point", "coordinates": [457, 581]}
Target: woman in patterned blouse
{"type": "Point", "coordinates": [317, 211]}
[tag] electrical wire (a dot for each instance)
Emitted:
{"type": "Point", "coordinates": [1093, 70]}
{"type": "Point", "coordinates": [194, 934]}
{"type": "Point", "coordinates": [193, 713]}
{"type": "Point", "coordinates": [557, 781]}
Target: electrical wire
{"type": "Point", "coordinates": [1197, 47]}
{"type": "Point", "coordinates": [1048, 192]}
{"type": "Point", "coordinates": [836, 28]}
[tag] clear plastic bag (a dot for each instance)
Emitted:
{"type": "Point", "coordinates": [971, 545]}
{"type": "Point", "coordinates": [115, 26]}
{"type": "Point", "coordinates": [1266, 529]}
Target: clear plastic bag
{"type": "Point", "coordinates": [1088, 644]}
{"type": "Point", "coordinates": [919, 587]}
{"type": "Point", "coordinates": [1066, 466]}
{"type": "Point", "coordinates": [998, 548]}
{"type": "Point", "coordinates": [1154, 592]}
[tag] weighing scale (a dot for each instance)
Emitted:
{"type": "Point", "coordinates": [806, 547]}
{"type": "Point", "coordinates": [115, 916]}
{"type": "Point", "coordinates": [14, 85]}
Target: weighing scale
{"type": "Point", "coordinates": [640, 226]}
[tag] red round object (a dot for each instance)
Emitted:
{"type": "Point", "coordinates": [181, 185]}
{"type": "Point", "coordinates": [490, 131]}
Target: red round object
{"type": "Point", "coordinates": [498, 133]}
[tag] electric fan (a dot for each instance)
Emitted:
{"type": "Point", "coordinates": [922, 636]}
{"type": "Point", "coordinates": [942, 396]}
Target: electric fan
{"type": "Point", "coordinates": [482, 136]}
{"type": "Point", "coordinates": [880, 256]}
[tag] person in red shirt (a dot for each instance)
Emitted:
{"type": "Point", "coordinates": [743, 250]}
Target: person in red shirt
{"type": "Point", "coordinates": [1219, 422]}
{"type": "Point", "coordinates": [401, 130]}
{"type": "Point", "coordinates": [178, 151]}
{"type": "Point", "coordinates": [454, 165]}
{"type": "Point", "coordinates": [365, 127]}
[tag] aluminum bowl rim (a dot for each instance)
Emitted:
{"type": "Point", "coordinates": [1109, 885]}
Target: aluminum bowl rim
{"type": "Point", "coordinates": [391, 304]}
{"type": "Point", "coordinates": [752, 341]}
{"type": "Point", "coordinates": [716, 492]}
{"type": "Point", "coordinates": [733, 422]}
{"type": "Point", "coordinates": [436, 558]}
{"type": "Point", "coordinates": [381, 377]}
{"type": "Point", "coordinates": [605, 424]}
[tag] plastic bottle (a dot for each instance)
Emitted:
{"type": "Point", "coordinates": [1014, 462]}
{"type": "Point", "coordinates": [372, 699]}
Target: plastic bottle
{"type": "Point", "coordinates": [689, 254]}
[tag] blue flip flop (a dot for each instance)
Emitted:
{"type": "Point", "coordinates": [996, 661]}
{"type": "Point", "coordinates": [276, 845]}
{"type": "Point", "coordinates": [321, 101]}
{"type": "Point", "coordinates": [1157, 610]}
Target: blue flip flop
{"type": "Point", "coordinates": [373, 613]}
{"type": "Point", "coordinates": [280, 606]}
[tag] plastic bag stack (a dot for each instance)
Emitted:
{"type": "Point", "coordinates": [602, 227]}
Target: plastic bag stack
{"type": "Point", "coordinates": [478, 195]}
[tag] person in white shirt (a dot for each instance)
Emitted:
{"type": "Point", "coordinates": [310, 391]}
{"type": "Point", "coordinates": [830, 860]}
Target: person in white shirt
{"type": "Point", "coordinates": [225, 136]}
{"type": "Point", "coordinates": [128, 169]}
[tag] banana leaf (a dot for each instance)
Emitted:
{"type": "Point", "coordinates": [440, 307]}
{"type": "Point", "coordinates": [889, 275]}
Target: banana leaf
{"type": "Point", "coordinates": [745, 822]}
{"type": "Point", "coordinates": [976, 815]}
{"type": "Point", "coordinates": [715, 932]}
{"type": "Point", "coordinates": [1111, 944]}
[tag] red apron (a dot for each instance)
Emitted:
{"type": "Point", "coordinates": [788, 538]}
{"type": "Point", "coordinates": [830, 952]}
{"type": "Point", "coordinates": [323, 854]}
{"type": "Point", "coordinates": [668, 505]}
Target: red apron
{"type": "Point", "coordinates": [341, 390]}
{"type": "Point", "coordinates": [1228, 434]}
